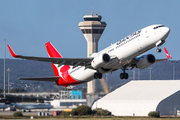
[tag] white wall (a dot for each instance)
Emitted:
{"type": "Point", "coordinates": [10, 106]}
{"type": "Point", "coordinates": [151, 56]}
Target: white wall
{"type": "Point", "coordinates": [140, 97]}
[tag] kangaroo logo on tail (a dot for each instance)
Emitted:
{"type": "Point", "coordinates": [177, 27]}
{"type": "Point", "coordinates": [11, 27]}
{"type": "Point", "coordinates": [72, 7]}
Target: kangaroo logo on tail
{"type": "Point", "coordinates": [54, 53]}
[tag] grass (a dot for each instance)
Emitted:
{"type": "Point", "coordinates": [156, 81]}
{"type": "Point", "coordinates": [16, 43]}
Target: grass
{"type": "Point", "coordinates": [88, 118]}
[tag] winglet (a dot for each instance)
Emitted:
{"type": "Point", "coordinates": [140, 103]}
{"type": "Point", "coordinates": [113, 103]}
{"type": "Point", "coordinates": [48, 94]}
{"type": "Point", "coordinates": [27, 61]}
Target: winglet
{"type": "Point", "coordinates": [167, 54]}
{"type": "Point", "coordinates": [12, 52]}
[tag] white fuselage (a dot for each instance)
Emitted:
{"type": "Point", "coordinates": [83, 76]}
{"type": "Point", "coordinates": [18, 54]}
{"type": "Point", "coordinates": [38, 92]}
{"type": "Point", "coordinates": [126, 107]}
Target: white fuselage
{"type": "Point", "coordinates": [124, 50]}
{"type": "Point", "coordinates": [4, 106]}
{"type": "Point", "coordinates": [29, 106]}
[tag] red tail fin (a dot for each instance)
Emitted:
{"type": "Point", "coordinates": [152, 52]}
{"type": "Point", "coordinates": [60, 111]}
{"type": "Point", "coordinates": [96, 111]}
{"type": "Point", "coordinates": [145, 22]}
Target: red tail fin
{"type": "Point", "coordinates": [54, 53]}
{"type": "Point", "coordinates": [167, 54]}
{"type": "Point", "coordinates": [52, 50]}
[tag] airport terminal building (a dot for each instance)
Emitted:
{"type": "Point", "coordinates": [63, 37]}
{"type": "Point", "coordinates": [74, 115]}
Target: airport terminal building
{"type": "Point", "coordinates": [138, 98]}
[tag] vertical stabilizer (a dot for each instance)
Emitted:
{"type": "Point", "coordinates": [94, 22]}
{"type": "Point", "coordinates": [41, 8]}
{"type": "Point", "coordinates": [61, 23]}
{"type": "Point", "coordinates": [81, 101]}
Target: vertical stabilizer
{"type": "Point", "coordinates": [54, 53]}
{"type": "Point", "coordinates": [52, 50]}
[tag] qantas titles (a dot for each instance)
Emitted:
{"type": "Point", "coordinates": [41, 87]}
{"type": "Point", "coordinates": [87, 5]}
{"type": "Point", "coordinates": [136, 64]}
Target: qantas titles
{"type": "Point", "coordinates": [126, 40]}
{"type": "Point", "coordinates": [129, 38]}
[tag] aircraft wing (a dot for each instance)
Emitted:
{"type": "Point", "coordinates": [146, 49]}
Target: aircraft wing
{"type": "Point", "coordinates": [135, 60]}
{"type": "Point", "coordinates": [61, 61]}
{"type": "Point", "coordinates": [46, 79]}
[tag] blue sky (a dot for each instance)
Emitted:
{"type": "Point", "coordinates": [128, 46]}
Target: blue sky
{"type": "Point", "coordinates": [28, 24]}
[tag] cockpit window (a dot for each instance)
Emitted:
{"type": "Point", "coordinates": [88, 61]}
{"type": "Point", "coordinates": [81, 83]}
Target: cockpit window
{"type": "Point", "coordinates": [158, 26]}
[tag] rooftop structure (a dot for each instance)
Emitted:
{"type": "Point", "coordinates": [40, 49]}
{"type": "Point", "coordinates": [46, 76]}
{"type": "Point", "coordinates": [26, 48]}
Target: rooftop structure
{"type": "Point", "coordinates": [92, 17]}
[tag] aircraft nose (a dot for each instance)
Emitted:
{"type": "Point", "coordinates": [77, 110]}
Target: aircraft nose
{"type": "Point", "coordinates": [166, 32]}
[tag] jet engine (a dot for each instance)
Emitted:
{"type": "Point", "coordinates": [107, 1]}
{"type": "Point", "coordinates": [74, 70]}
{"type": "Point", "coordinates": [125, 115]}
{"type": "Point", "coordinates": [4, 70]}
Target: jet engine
{"type": "Point", "coordinates": [145, 61]}
{"type": "Point", "coordinates": [100, 60]}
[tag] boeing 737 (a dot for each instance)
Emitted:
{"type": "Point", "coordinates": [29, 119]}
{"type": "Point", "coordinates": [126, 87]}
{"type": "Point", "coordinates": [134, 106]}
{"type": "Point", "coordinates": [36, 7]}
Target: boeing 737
{"type": "Point", "coordinates": [121, 55]}
{"type": "Point", "coordinates": [29, 106]}
{"type": "Point", "coordinates": [4, 103]}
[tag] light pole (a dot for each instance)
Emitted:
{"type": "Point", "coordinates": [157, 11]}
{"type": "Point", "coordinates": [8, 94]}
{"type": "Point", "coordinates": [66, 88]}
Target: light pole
{"type": "Point", "coordinates": [134, 74]}
{"type": "Point", "coordinates": [4, 68]}
{"type": "Point", "coordinates": [138, 74]}
{"type": "Point", "coordinates": [8, 70]}
{"type": "Point", "coordinates": [150, 73]}
{"type": "Point", "coordinates": [174, 62]}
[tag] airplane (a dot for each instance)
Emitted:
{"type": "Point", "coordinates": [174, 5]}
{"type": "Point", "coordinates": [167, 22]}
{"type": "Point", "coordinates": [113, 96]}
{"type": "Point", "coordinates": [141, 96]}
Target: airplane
{"type": "Point", "coordinates": [4, 103]}
{"type": "Point", "coordinates": [4, 106]}
{"type": "Point", "coordinates": [29, 106]}
{"type": "Point", "coordinates": [120, 55]}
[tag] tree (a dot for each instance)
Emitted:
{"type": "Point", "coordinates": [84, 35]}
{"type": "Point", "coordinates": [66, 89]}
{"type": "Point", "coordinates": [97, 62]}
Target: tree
{"type": "Point", "coordinates": [18, 90]}
{"type": "Point", "coordinates": [101, 112]}
{"type": "Point", "coordinates": [18, 114]}
{"type": "Point", "coordinates": [82, 110]}
{"type": "Point", "coordinates": [154, 114]}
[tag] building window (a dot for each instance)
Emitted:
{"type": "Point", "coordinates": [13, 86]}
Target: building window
{"type": "Point", "coordinates": [92, 19]}
{"type": "Point", "coordinates": [101, 31]}
{"type": "Point", "coordinates": [88, 31]}
{"type": "Point", "coordinates": [92, 31]}
{"type": "Point", "coordinates": [83, 31]}
{"type": "Point", "coordinates": [95, 31]}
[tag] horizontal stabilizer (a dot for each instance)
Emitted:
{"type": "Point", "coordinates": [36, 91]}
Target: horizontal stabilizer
{"type": "Point", "coordinates": [168, 56]}
{"type": "Point", "coordinates": [46, 79]}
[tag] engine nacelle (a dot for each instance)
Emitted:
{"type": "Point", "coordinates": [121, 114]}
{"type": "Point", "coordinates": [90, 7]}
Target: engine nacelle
{"type": "Point", "coordinates": [100, 60]}
{"type": "Point", "coordinates": [145, 61]}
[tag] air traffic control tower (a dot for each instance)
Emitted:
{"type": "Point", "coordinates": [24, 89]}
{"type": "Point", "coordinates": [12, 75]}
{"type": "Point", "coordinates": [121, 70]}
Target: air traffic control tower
{"type": "Point", "coordinates": [92, 29]}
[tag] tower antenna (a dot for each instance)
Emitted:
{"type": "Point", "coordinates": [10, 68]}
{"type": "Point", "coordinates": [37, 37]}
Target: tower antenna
{"type": "Point", "coordinates": [92, 9]}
